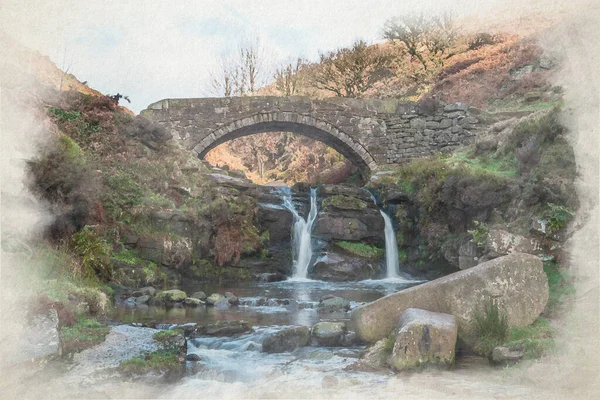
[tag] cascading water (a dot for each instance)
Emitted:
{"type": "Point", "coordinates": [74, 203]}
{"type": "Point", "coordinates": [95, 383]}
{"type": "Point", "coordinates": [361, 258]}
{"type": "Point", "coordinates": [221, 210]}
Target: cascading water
{"type": "Point", "coordinates": [302, 253]}
{"type": "Point", "coordinates": [391, 247]}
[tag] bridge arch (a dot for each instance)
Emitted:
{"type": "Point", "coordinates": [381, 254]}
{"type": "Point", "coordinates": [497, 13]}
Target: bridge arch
{"type": "Point", "coordinates": [301, 124]}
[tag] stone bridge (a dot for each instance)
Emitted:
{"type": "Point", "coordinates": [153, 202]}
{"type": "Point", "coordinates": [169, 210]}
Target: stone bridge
{"type": "Point", "coordinates": [369, 132]}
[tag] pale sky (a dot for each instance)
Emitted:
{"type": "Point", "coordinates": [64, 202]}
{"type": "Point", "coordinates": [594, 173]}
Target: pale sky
{"type": "Point", "coordinates": [151, 50]}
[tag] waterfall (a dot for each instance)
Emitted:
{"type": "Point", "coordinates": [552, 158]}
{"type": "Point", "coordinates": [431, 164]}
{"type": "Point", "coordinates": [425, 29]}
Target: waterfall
{"type": "Point", "coordinates": [302, 252]}
{"type": "Point", "coordinates": [392, 266]}
{"type": "Point", "coordinates": [391, 248]}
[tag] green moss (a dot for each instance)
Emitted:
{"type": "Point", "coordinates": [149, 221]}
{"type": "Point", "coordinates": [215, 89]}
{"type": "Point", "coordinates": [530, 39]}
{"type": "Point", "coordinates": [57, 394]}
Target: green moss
{"type": "Point", "coordinates": [85, 333]}
{"type": "Point", "coordinates": [156, 361]}
{"type": "Point", "coordinates": [501, 165]}
{"type": "Point", "coordinates": [165, 336]}
{"type": "Point", "coordinates": [361, 249]}
{"type": "Point", "coordinates": [402, 256]}
{"type": "Point", "coordinates": [342, 202]}
{"type": "Point", "coordinates": [64, 115]}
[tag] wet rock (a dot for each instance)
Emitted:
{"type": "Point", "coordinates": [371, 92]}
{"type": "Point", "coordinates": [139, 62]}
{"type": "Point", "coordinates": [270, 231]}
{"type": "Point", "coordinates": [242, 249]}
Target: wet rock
{"type": "Point", "coordinates": [334, 304]}
{"type": "Point", "coordinates": [229, 294]}
{"type": "Point", "coordinates": [361, 225]}
{"type": "Point", "coordinates": [186, 328]}
{"type": "Point", "coordinates": [142, 300]}
{"type": "Point", "coordinates": [374, 358]}
{"type": "Point", "coordinates": [516, 282]}
{"type": "Point", "coordinates": [328, 334]}
{"type": "Point", "coordinates": [329, 382]}
{"type": "Point", "coordinates": [199, 295]}
{"type": "Point", "coordinates": [233, 300]}
{"type": "Point", "coordinates": [222, 303]}
{"type": "Point", "coordinates": [286, 340]}
{"type": "Point", "coordinates": [424, 338]}
{"type": "Point", "coordinates": [504, 356]}
{"type": "Point", "coordinates": [147, 291]}
{"type": "Point", "coordinates": [213, 298]}
{"type": "Point", "coordinates": [270, 277]}
{"type": "Point", "coordinates": [154, 302]}
{"type": "Point", "coordinates": [192, 302]}
{"type": "Point", "coordinates": [349, 339]}
{"type": "Point", "coordinates": [252, 346]}
{"type": "Point", "coordinates": [171, 296]}
{"type": "Point", "coordinates": [337, 267]}
{"type": "Point", "coordinates": [130, 301]}
{"type": "Point", "coordinates": [223, 328]}
{"type": "Point", "coordinates": [193, 357]}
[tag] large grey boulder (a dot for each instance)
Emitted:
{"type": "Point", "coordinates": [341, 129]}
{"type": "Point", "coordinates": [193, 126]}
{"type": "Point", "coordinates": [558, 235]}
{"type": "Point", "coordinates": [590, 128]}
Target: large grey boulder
{"type": "Point", "coordinates": [424, 338]}
{"type": "Point", "coordinates": [286, 340]}
{"type": "Point", "coordinates": [214, 298]}
{"type": "Point", "coordinates": [516, 282]}
{"type": "Point", "coordinates": [359, 225]}
{"type": "Point", "coordinates": [341, 267]}
{"type": "Point", "coordinates": [328, 334]}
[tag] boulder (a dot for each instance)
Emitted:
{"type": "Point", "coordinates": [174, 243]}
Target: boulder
{"type": "Point", "coordinates": [468, 255]}
{"type": "Point", "coordinates": [361, 225]}
{"type": "Point", "coordinates": [233, 300]}
{"type": "Point", "coordinates": [516, 282]}
{"type": "Point", "coordinates": [199, 295]}
{"type": "Point", "coordinates": [334, 304]}
{"type": "Point", "coordinates": [500, 242]}
{"type": "Point", "coordinates": [147, 291]}
{"type": "Point", "coordinates": [374, 358]}
{"type": "Point", "coordinates": [222, 303]}
{"type": "Point", "coordinates": [171, 296]}
{"type": "Point", "coordinates": [142, 299]}
{"type": "Point", "coordinates": [328, 334]}
{"type": "Point", "coordinates": [223, 328]}
{"type": "Point", "coordinates": [192, 302]}
{"type": "Point", "coordinates": [193, 357]}
{"type": "Point", "coordinates": [504, 356]}
{"type": "Point", "coordinates": [186, 328]}
{"type": "Point", "coordinates": [341, 267]}
{"type": "Point", "coordinates": [213, 298]}
{"type": "Point", "coordinates": [424, 338]}
{"type": "Point", "coordinates": [286, 340]}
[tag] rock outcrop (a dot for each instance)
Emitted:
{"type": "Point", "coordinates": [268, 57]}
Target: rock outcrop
{"type": "Point", "coordinates": [287, 340]}
{"type": "Point", "coordinates": [424, 338]}
{"type": "Point", "coordinates": [516, 283]}
{"type": "Point", "coordinates": [341, 267]}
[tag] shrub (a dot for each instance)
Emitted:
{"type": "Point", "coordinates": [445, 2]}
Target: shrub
{"type": "Point", "coordinates": [94, 253]}
{"type": "Point", "coordinates": [491, 328]}
{"type": "Point", "coordinates": [481, 39]}
{"type": "Point", "coordinates": [556, 216]}
{"type": "Point", "coordinates": [480, 233]}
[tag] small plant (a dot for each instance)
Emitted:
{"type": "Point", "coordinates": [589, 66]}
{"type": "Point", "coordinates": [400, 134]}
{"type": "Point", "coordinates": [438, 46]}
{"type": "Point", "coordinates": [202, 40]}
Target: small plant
{"type": "Point", "coordinates": [481, 39]}
{"type": "Point", "coordinates": [556, 217]}
{"type": "Point", "coordinates": [535, 339]}
{"type": "Point", "coordinates": [94, 253]}
{"type": "Point", "coordinates": [480, 233]}
{"type": "Point", "coordinates": [491, 328]}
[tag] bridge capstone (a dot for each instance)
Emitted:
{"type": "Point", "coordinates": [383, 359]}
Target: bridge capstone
{"type": "Point", "coordinates": [369, 132]}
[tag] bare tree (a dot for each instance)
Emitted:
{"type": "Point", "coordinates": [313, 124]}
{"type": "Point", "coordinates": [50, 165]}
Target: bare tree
{"type": "Point", "coordinates": [429, 39]}
{"type": "Point", "coordinates": [286, 77]}
{"type": "Point", "coordinates": [242, 72]}
{"type": "Point", "coordinates": [351, 71]}
{"type": "Point", "coordinates": [65, 67]}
